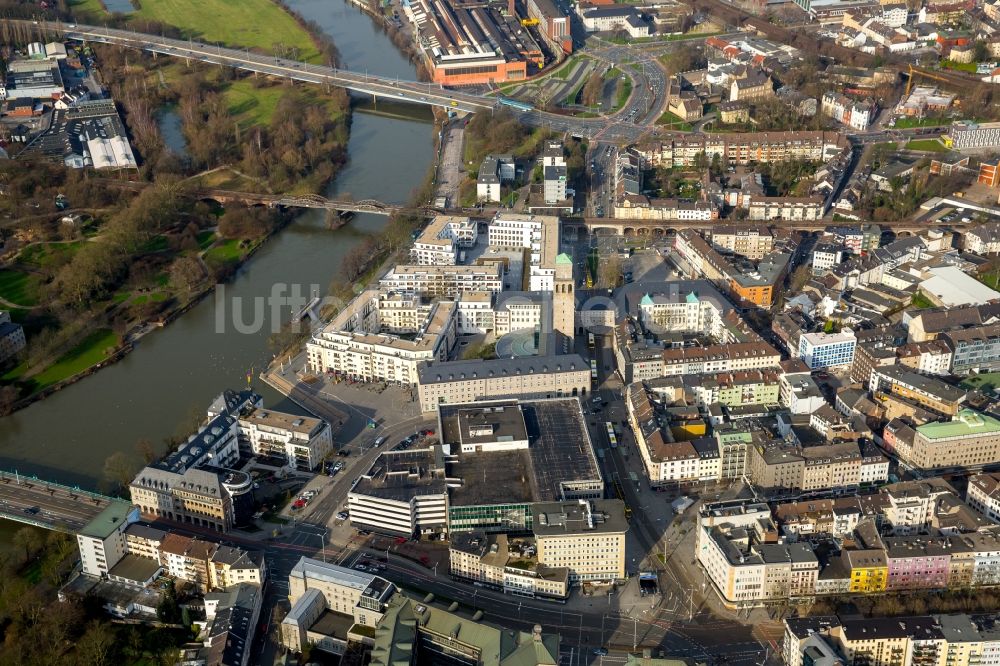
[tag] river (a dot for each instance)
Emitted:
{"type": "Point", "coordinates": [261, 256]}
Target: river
{"type": "Point", "coordinates": [176, 371]}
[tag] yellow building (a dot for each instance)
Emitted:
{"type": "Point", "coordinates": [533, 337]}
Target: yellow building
{"type": "Point", "coordinates": [869, 570]}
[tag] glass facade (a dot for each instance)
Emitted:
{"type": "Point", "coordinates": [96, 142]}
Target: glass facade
{"type": "Point", "coordinates": [490, 518]}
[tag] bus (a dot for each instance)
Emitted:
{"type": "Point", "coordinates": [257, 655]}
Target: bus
{"type": "Point", "coordinates": [612, 437]}
{"type": "Point", "coordinates": [593, 369]}
{"type": "Point", "coordinates": [590, 341]}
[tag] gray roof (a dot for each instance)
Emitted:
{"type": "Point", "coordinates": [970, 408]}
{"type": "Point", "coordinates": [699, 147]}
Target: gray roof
{"type": "Point", "coordinates": [448, 371]}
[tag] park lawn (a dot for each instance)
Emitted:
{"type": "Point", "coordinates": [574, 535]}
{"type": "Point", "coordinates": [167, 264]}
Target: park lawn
{"type": "Point", "coordinates": [984, 381]}
{"type": "Point", "coordinates": [991, 279]}
{"type": "Point", "coordinates": [224, 252]}
{"type": "Point", "coordinates": [624, 92]}
{"type": "Point", "coordinates": [205, 239]}
{"type": "Point", "coordinates": [926, 145]}
{"type": "Point", "coordinates": [675, 123]}
{"type": "Point", "coordinates": [92, 7]}
{"type": "Point", "coordinates": [45, 254]}
{"type": "Point", "coordinates": [252, 106]}
{"type": "Point", "coordinates": [19, 287]}
{"type": "Point", "coordinates": [91, 351]}
{"type": "Point", "coordinates": [255, 24]}
{"type": "Point", "coordinates": [563, 72]}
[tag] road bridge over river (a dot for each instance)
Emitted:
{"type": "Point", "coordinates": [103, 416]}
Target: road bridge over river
{"type": "Point", "coordinates": [46, 504]}
{"type": "Point", "coordinates": [413, 92]}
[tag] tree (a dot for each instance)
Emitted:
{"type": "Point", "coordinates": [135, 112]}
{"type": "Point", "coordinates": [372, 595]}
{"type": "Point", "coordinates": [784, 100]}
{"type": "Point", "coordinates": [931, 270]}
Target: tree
{"type": "Point", "coordinates": [8, 398]}
{"type": "Point", "coordinates": [980, 52]}
{"type": "Point", "coordinates": [97, 645]}
{"type": "Point", "coordinates": [119, 469]}
{"type": "Point", "coordinates": [168, 610]}
{"type": "Point", "coordinates": [593, 90]}
{"type": "Point", "coordinates": [28, 539]}
{"type": "Point", "coordinates": [186, 273]}
{"type": "Point", "coordinates": [146, 451]}
{"type": "Point", "coordinates": [800, 276]}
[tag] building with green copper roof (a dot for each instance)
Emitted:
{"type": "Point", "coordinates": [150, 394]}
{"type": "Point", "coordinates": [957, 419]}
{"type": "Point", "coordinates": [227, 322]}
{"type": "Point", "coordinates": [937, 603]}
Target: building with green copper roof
{"type": "Point", "coordinates": [414, 633]}
{"type": "Point", "coordinates": [969, 440]}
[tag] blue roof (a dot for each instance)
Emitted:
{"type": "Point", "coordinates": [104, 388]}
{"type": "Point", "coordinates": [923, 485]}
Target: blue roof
{"type": "Point", "coordinates": [691, 298]}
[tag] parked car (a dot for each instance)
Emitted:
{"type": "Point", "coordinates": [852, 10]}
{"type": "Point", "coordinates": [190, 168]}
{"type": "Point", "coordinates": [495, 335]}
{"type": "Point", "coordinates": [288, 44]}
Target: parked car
{"type": "Point", "coordinates": [343, 515]}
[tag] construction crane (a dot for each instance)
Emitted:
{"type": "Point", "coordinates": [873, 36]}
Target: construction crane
{"type": "Point", "coordinates": [529, 21]}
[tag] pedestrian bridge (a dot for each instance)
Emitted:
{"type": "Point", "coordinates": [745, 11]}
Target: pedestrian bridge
{"type": "Point", "coordinates": [46, 504]}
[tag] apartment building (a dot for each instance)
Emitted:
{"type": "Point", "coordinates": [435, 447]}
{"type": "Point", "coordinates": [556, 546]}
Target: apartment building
{"type": "Point", "coordinates": [827, 350]}
{"type": "Point", "coordinates": [755, 284]}
{"type": "Point", "coordinates": [983, 495]}
{"type": "Point", "coordinates": [800, 393]}
{"type": "Point", "coordinates": [969, 440]}
{"type": "Point", "coordinates": [752, 242]}
{"type": "Point", "coordinates": [587, 537]}
{"type": "Point", "coordinates": [438, 244]}
{"type": "Point", "coordinates": [927, 392]}
{"type": "Point", "coordinates": [301, 441]}
{"type": "Point", "coordinates": [743, 148]}
{"type": "Point", "coordinates": [786, 208]}
{"type": "Point", "coordinates": [442, 280]}
{"type": "Point", "coordinates": [193, 484]}
{"type": "Point", "coordinates": [509, 564]}
{"type": "Point", "coordinates": [933, 357]}
{"type": "Point", "coordinates": [974, 349]}
{"type": "Point", "coordinates": [358, 344]}
{"type": "Point", "coordinates": [525, 378]}
{"type": "Point", "coordinates": [738, 549]}
{"type": "Point", "coordinates": [985, 238]}
{"type": "Point", "coordinates": [780, 464]}
{"type": "Point", "coordinates": [755, 87]}
{"type": "Point", "coordinates": [102, 541]}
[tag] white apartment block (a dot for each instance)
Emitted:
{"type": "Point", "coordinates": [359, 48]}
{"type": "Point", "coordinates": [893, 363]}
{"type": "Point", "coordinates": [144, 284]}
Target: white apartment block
{"type": "Point", "coordinates": [438, 243]}
{"type": "Point", "coordinates": [800, 394]}
{"type": "Point", "coordinates": [786, 208]}
{"type": "Point", "coordinates": [403, 492]}
{"type": "Point", "coordinates": [983, 495]}
{"type": "Point", "coordinates": [443, 280]}
{"type": "Point", "coordinates": [301, 440]}
{"type": "Point", "coordinates": [102, 541]}
{"type": "Point", "coordinates": [357, 345]}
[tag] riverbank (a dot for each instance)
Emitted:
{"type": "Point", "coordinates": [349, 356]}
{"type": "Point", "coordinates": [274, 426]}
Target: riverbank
{"type": "Point", "coordinates": [135, 316]}
{"type": "Point", "coordinates": [155, 390]}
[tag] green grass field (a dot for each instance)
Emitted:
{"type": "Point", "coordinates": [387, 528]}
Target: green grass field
{"type": "Point", "coordinates": [905, 123]}
{"type": "Point", "coordinates": [926, 145]}
{"type": "Point", "coordinates": [19, 287]}
{"type": "Point", "coordinates": [92, 7]}
{"type": "Point", "coordinates": [91, 351]}
{"type": "Point", "coordinates": [253, 106]}
{"type": "Point", "coordinates": [624, 92]}
{"type": "Point", "coordinates": [205, 239]}
{"type": "Point", "coordinates": [675, 123]}
{"type": "Point", "coordinates": [46, 254]}
{"type": "Point", "coordinates": [224, 252]}
{"type": "Point", "coordinates": [255, 24]}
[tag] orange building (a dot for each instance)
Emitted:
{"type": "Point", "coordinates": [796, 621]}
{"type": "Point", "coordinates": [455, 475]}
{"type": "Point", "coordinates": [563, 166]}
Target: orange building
{"type": "Point", "coordinates": [477, 71]}
{"type": "Point", "coordinates": [989, 174]}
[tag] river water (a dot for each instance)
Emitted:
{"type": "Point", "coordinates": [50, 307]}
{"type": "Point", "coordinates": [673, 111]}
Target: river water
{"type": "Point", "coordinates": [176, 371]}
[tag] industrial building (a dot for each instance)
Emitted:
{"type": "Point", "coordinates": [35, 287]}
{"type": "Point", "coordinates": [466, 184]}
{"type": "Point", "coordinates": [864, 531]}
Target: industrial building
{"type": "Point", "coordinates": [471, 43]}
